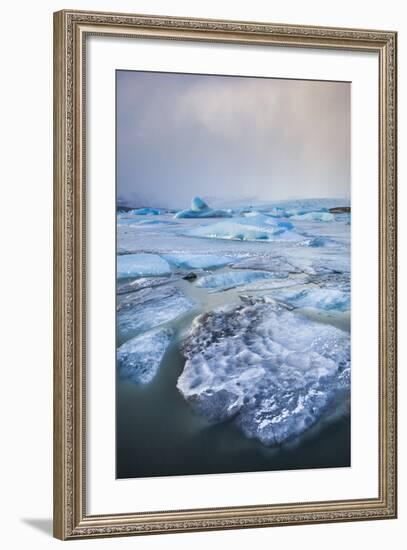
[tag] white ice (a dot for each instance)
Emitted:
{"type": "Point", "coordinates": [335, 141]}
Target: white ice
{"type": "Point", "coordinates": [148, 308]}
{"type": "Point", "coordinates": [232, 279]}
{"type": "Point", "coordinates": [314, 216]}
{"type": "Point", "coordinates": [139, 359]}
{"type": "Point", "coordinates": [197, 261]}
{"type": "Point", "coordinates": [272, 371]}
{"type": "Point", "coordinates": [141, 265]}
{"type": "Point", "coordinates": [312, 297]}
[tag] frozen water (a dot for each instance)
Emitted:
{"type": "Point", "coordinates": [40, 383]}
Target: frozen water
{"type": "Point", "coordinates": [199, 209]}
{"type": "Point", "coordinates": [319, 298]}
{"type": "Point", "coordinates": [146, 211]}
{"type": "Point", "coordinates": [272, 371]}
{"type": "Point", "coordinates": [232, 279]}
{"type": "Point", "coordinates": [254, 228]}
{"type": "Point", "coordinates": [139, 358]}
{"type": "Point", "coordinates": [148, 308]}
{"type": "Point", "coordinates": [197, 261]}
{"type": "Point", "coordinates": [141, 265]}
{"type": "Point", "coordinates": [314, 216]}
{"type": "Point", "coordinates": [144, 282]}
{"type": "Point", "coordinates": [266, 263]}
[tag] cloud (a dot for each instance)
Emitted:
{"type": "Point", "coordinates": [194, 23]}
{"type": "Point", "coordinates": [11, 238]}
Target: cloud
{"type": "Point", "coordinates": [179, 135]}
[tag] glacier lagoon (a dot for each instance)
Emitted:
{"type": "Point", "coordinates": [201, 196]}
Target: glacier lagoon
{"type": "Point", "coordinates": [233, 338]}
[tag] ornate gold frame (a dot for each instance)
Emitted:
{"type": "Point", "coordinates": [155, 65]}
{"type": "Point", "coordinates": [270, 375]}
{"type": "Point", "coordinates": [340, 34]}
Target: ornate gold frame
{"type": "Point", "coordinates": [70, 31]}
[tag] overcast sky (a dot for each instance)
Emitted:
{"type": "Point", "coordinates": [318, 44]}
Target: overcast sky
{"type": "Point", "coordinates": [230, 139]}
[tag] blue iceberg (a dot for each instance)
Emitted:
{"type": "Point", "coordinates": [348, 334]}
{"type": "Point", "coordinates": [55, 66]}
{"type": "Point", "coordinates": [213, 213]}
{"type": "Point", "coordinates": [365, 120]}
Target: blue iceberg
{"type": "Point", "coordinates": [199, 209]}
{"type": "Point", "coordinates": [314, 217]}
{"type": "Point", "coordinates": [318, 298]}
{"type": "Point", "coordinates": [271, 371]}
{"type": "Point", "coordinates": [139, 359]}
{"type": "Point", "coordinates": [147, 211]}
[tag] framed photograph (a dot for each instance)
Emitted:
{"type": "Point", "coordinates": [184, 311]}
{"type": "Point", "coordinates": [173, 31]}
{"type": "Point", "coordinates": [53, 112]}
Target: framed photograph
{"type": "Point", "coordinates": [225, 274]}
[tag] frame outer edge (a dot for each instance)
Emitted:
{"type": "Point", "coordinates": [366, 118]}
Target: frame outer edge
{"type": "Point", "coordinates": [59, 402]}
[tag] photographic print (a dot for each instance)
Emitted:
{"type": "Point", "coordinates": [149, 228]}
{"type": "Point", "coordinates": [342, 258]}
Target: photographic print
{"type": "Point", "coordinates": [233, 274]}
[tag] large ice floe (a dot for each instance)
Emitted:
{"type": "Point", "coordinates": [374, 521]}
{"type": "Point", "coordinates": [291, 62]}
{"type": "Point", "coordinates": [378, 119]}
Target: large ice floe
{"type": "Point", "coordinates": [141, 265]}
{"type": "Point", "coordinates": [199, 209]}
{"type": "Point", "coordinates": [148, 308]}
{"type": "Point", "coordinates": [138, 359]}
{"type": "Point", "coordinates": [271, 371]}
{"type": "Point", "coordinates": [143, 282]}
{"type": "Point", "coordinates": [314, 216]}
{"type": "Point", "coordinates": [253, 228]}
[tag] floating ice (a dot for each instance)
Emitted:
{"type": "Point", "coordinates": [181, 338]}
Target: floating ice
{"type": "Point", "coordinates": [265, 263]}
{"type": "Point", "coordinates": [314, 216]}
{"type": "Point", "coordinates": [144, 282]}
{"type": "Point", "coordinates": [232, 279]}
{"type": "Point", "coordinates": [319, 298]}
{"type": "Point", "coordinates": [272, 371]}
{"type": "Point", "coordinates": [139, 358]}
{"type": "Point", "coordinates": [197, 261]}
{"type": "Point", "coordinates": [272, 284]}
{"type": "Point", "coordinates": [199, 209]}
{"type": "Point", "coordinates": [156, 222]}
{"type": "Point", "coordinates": [141, 265]}
{"type": "Point", "coordinates": [256, 228]}
{"type": "Point", "coordinates": [149, 308]}
{"type": "Point", "coordinates": [147, 211]}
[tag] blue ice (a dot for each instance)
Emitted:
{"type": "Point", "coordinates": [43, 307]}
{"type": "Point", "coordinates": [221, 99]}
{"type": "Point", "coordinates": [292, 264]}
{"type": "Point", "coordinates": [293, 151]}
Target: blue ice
{"type": "Point", "coordinates": [142, 265]}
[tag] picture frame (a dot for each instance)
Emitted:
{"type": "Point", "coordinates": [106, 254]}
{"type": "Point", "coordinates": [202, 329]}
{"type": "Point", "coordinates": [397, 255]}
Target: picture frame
{"type": "Point", "coordinates": [72, 519]}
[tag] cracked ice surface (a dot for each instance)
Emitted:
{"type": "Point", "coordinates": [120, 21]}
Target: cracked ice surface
{"type": "Point", "coordinates": [141, 265]}
{"type": "Point", "coordinates": [139, 359]}
{"type": "Point", "coordinates": [272, 371]}
{"type": "Point", "coordinates": [148, 308]}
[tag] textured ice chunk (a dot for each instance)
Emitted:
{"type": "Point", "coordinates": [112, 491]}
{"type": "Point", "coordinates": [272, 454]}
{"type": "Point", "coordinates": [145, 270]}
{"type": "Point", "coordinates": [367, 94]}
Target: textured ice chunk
{"type": "Point", "coordinates": [147, 211]}
{"type": "Point", "coordinates": [197, 261]}
{"type": "Point", "coordinates": [271, 370]}
{"type": "Point", "coordinates": [144, 282]}
{"type": "Point", "coordinates": [272, 284]}
{"type": "Point", "coordinates": [141, 265]}
{"type": "Point", "coordinates": [265, 263]}
{"type": "Point", "coordinates": [156, 222]}
{"type": "Point", "coordinates": [256, 228]}
{"type": "Point", "coordinates": [232, 279]}
{"type": "Point", "coordinates": [319, 298]}
{"type": "Point", "coordinates": [138, 359]}
{"type": "Point", "coordinates": [149, 308]}
{"type": "Point", "coordinates": [199, 209]}
{"type": "Point", "coordinates": [314, 216]}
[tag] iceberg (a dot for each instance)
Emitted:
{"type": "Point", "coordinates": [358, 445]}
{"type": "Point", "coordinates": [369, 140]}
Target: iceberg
{"type": "Point", "coordinates": [148, 308]}
{"type": "Point", "coordinates": [199, 209]}
{"type": "Point", "coordinates": [139, 359]}
{"type": "Point", "coordinates": [232, 279]}
{"type": "Point", "coordinates": [318, 298]}
{"type": "Point", "coordinates": [141, 265]}
{"type": "Point", "coordinates": [265, 263]}
{"type": "Point", "coordinates": [255, 228]}
{"type": "Point", "coordinates": [197, 261]}
{"type": "Point", "coordinates": [271, 371]}
{"type": "Point", "coordinates": [314, 217]}
{"type": "Point", "coordinates": [147, 212]}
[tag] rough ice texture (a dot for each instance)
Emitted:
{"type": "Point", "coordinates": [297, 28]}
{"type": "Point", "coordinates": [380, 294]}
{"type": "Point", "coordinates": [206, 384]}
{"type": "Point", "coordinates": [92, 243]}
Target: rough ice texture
{"type": "Point", "coordinates": [141, 265]}
{"type": "Point", "coordinates": [265, 263]}
{"type": "Point", "coordinates": [149, 308]}
{"type": "Point", "coordinates": [146, 211]}
{"type": "Point", "coordinates": [272, 284]}
{"type": "Point", "coordinates": [273, 372]}
{"type": "Point", "coordinates": [314, 216]}
{"type": "Point", "coordinates": [255, 228]}
{"type": "Point", "coordinates": [232, 279]}
{"type": "Point", "coordinates": [197, 261]}
{"type": "Point", "coordinates": [312, 297]}
{"type": "Point", "coordinates": [199, 209]}
{"type": "Point", "coordinates": [139, 284]}
{"type": "Point", "coordinates": [139, 358]}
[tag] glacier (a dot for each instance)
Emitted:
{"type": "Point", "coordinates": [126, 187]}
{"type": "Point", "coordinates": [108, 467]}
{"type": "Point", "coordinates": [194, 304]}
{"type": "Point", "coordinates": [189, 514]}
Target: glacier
{"type": "Point", "coordinates": [270, 371]}
{"type": "Point", "coordinates": [141, 265]}
{"type": "Point", "coordinates": [199, 209]}
{"type": "Point", "coordinates": [139, 359]}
